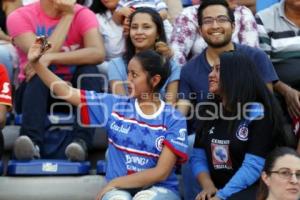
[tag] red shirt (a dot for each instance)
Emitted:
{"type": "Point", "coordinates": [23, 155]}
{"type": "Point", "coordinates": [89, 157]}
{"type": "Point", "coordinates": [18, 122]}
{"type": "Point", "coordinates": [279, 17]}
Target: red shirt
{"type": "Point", "coordinates": [5, 87]}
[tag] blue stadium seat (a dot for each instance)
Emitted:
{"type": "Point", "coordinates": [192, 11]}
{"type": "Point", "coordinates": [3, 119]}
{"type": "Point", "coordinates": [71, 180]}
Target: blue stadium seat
{"type": "Point", "coordinates": [47, 167]}
{"type": "Point", "coordinates": [101, 167]}
{"type": "Point", "coordinates": [57, 119]}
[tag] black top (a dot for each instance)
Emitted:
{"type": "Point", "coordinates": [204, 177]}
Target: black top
{"type": "Point", "coordinates": [225, 150]}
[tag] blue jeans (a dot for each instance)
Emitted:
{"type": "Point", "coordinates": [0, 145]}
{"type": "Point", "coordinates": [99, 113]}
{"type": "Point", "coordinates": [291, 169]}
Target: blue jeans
{"type": "Point", "coordinates": [153, 193]}
{"type": "Point", "coordinates": [35, 99]}
{"type": "Point", "coordinates": [191, 185]}
{"type": "Point", "coordinates": [7, 60]}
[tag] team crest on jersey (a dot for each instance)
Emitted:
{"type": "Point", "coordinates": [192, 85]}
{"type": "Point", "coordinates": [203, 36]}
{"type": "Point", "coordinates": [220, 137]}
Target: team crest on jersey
{"type": "Point", "coordinates": [242, 132]}
{"type": "Point", "coordinates": [159, 143]}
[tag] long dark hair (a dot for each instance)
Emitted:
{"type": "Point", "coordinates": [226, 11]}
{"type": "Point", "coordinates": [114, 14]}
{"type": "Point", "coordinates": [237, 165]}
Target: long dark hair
{"type": "Point", "coordinates": [240, 83]}
{"type": "Point", "coordinates": [263, 190]}
{"type": "Point", "coordinates": [154, 64]}
{"type": "Point", "coordinates": [130, 49]}
{"type": "Point", "coordinates": [98, 7]}
{"type": "Point", "coordinates": [205, 3]}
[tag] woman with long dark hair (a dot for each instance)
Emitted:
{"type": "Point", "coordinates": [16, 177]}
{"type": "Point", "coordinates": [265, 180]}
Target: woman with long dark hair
{"type": "Point", "coordinates": [236, 132]}
{"type": "Point", "coordinates": [146, 31]}
{"type": "Point", "coordinates": [280, 179]}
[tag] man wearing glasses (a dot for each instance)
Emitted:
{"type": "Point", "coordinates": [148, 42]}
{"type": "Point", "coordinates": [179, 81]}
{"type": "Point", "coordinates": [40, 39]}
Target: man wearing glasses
{"type": "Point", "coordinates": [216, 25]}
{"type": "Point", "coordinates": [186, 41]}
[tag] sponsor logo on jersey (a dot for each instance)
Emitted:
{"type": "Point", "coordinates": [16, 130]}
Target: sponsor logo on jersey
{"type": "Point", "coordinates": [121, 129]}
{"type": "Point", "coordinates": [211, 130]}
{"type": "Point", "coordinates": [130, 159]}
{"type": "Point", "coordinates": [182, 135]}
{"type": "Point", "coordinates": [5, 88]}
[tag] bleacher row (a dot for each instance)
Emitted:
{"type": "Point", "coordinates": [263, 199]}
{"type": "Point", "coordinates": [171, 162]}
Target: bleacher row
{"type": "Point", "coordinates": [50, 177]}
{"type": "Point", "coordinates": [49, 166]}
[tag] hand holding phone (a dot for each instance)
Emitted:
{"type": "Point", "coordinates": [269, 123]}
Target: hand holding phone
{"type": "Point", "coordinates": [45, 45]}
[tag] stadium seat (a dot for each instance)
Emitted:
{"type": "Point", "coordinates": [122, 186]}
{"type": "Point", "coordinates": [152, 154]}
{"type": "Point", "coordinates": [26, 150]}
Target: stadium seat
{"type": "Point", "coordinates": [101, 167]}
{"type": "Point", "coordinates": [47, 167]}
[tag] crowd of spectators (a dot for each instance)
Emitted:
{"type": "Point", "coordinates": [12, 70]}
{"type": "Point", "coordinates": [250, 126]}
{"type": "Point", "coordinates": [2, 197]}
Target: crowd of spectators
{"type": "Point", "coordinates": [157, 58]}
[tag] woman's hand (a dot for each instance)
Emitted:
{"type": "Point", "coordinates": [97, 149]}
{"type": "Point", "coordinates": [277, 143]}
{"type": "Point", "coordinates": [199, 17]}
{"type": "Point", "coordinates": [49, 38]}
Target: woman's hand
{"type": "Point", "coordinates": [39, 47]}
{"type": "Point", "coordinates": [126, 27]}
{"type": "Point", "coordinates": [126, 11]}
{"type": "Point", "coordinates": [215, 198]}
{"type": "Point", "coordinates": [104, 190]}
{"type": "Point", "coordinates": [64, 6]}
{"type": "Point", "coordinates": [207, 193]}
{"type": "Point", "coordinates": [163, 49]}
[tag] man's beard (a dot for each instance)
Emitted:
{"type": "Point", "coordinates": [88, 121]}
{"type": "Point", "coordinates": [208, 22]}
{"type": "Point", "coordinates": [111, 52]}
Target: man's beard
{"type": "Point", "coordinates": [219, 44]}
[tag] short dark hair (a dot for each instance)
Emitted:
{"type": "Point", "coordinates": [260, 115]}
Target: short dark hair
{"type": "Point", "coordinates": [263, 190]}
{"type": "Point", "coordinates": [154, 64]}
{"type": "Point", "coordinates": [205, 3]}
{"type": "Point", "coordinates": [130, 49]}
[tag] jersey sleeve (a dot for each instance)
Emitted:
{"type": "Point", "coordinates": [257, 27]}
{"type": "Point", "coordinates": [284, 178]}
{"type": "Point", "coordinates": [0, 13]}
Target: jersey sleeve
{"type": "Point", "coordinates": [5, 87]}
{"type": "Point", "coordinates": [266, 67]}
{"type": "Point", "coordinates": [176, 136]}
{"type": "Point", "coordinates": [18, 23]}
{"type": "Point", "coordinates": [95, 108]}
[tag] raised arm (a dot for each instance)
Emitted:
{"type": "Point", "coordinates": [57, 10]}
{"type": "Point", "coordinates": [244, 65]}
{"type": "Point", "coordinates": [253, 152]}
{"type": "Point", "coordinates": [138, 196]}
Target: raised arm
{"type": "Point", "coordinates": [40, 63]}
{"type": "Point", "coordinates": [120, 14]}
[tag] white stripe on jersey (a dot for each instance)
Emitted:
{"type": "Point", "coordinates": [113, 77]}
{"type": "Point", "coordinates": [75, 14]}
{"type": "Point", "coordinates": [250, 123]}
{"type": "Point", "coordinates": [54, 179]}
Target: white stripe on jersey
{"type": "Point", "coordinates": [130, 150]}
{"type": "Point", "coordinates": [134, 121]}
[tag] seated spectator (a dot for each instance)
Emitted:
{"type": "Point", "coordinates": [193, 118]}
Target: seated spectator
{"type": "Point", "coordinates": [263, 4]}
{"type": "Point", "coordinates": [278, 36]}
{"type": "Point", "coordinates": [5, 101]}
{"type": "Point", "coordinates": [146, 32]}
{"type": "Point", "coordinates": [280, 179]}
{"type": "Point", "coordinates": [112, 33]}
{"type": "Point", "coordinates": [146, 136]}
{"type": "Point", "coordinates": [193, 86]}
{"type": "Point", "coordinates": [187, 42]}
{"type": "Point", "coordinates": [243, 126]}
{"type": "Point", "coordinates": [76, 48]}
{"type": "Point", "coordinates": [126, 8]}
{"type": "Point", "coordinates": [8, 54]}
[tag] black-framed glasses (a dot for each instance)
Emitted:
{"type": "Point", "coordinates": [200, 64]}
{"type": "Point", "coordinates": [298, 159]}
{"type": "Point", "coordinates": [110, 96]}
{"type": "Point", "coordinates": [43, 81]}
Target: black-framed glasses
{"type": "Point", "coordinates": [221, 19]}
{"type": "Point", "coordinates": [287, 174]}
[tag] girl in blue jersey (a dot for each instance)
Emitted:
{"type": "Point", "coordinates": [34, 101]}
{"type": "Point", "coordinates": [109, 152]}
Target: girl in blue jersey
{"type": "Point", "coordinates": [146, 136]}
{"type": "Point", "coordinates": [241, 127]}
